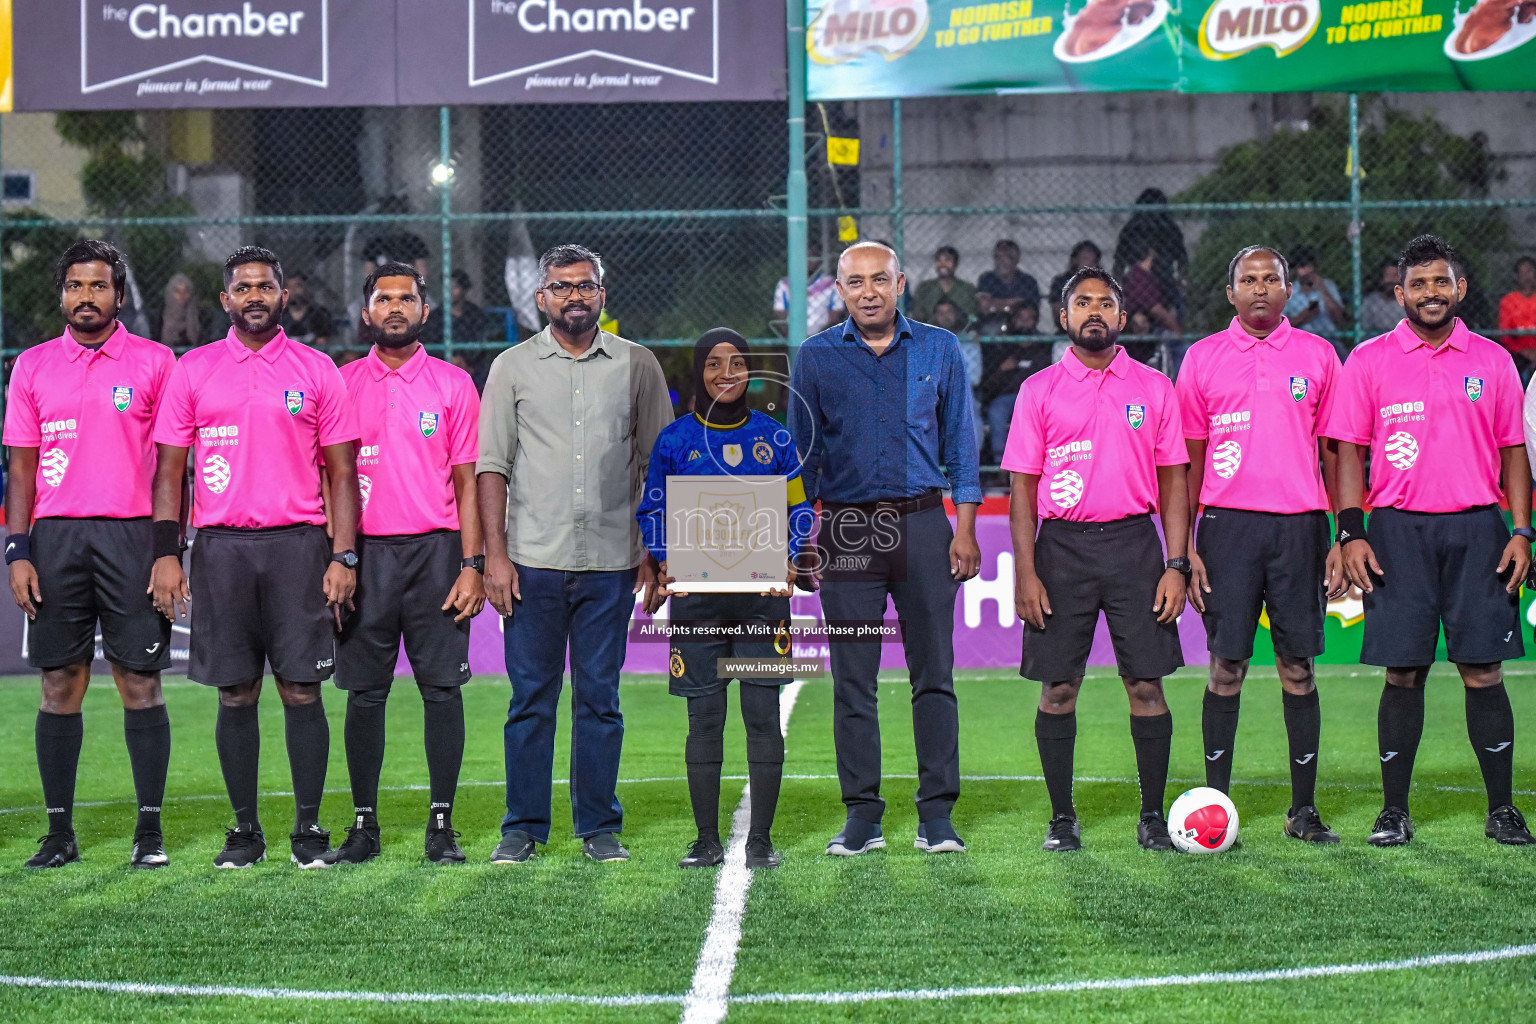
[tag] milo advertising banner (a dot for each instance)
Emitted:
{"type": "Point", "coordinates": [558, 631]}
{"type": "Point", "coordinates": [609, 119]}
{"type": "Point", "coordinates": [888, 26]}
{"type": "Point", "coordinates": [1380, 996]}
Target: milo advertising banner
{"type": "Point", "coordinates": [897, 48]}
{"type": "Point", "coordinates": [892, 48]}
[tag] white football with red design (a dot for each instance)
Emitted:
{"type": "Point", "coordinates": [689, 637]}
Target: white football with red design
{"type": "Point", "coordinates": [1203, 820]}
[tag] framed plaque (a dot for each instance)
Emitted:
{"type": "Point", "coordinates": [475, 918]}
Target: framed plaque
{"type": "Point", "coordinates": [727, 534]}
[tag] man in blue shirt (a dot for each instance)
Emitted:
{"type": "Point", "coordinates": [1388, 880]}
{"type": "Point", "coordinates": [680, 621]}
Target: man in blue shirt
{"type": "Point", "coordinates": [880, 411]}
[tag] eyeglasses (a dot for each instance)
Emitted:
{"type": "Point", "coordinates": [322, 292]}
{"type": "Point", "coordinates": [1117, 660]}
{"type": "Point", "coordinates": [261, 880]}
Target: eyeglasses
{"type": "Point", "coordinates": [563, 289]}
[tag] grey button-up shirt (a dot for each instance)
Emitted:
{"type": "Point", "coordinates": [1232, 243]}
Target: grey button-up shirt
{"type": "Point", "coordinates": [573, 437]}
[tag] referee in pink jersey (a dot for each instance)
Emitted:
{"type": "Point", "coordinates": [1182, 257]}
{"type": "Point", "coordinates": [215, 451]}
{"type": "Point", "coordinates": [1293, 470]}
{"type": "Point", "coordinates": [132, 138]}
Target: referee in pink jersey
{"type": "Point", "coordinates": [422, 560]}
{"type": "Point", "coordinates": [1253, 398]}
{"type": "Point", "coordinates": [78, 421]}
{"type": "Point", "coordinates": [1438, 408]}
{"type": "Point", "coordinates": [268, 586]}
{"type": "Point", "coordinates": [1101, 431]}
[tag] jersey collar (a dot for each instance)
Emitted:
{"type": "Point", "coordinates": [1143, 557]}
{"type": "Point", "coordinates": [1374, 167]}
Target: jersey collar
{"type": "Point", "coordinates": [1120, 366]}
{"type": "Point", "coordinates": [113, 346]}
{"type": "Point", "coordinates": [269, 352]}
{"type": "Point", "coordinates": [1409, 341]}
{"type": "Point", "coordinates": [410, 369]}
{"type": "Point", "coordinates": [1245, 341]}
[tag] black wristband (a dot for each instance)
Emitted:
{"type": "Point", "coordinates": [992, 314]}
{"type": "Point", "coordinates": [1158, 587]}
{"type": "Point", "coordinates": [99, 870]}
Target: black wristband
{"type": "Point", "coordinates": [18, 547]}
{"type": "Point", "coordinates": [167, 539]}
{"type": "Point", "coordinates": [1351, 523]}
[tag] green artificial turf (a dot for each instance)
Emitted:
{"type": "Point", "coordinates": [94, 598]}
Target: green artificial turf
{"type": "Point", "coordinates": [1002, 914]}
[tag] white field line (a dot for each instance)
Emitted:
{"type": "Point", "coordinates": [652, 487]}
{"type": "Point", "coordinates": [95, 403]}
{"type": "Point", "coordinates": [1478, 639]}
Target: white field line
{"type": "Point", "coordinates": [708, 999]}
{"type": "Point", "coordinates": [1107, 779]}
{"type": "Point", "coordinates": [879, 995]}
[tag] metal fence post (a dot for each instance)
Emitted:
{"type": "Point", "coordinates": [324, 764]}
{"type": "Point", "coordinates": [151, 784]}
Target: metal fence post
{"type": "Point", "coordinates": [898, 219]}
{"type": "Point", "coordinates": [795, 199]}
{"type": "Point", "coordinates": [444, 157]}
{"type": "Point", "coordinates": [1355, 226]}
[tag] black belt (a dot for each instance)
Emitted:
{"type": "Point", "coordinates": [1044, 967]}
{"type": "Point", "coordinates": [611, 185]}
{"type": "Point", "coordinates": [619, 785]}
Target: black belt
{"type": "Point", "coordinates": [894, 506]}
{"type": "Point", "coordinates": [1107, 526]}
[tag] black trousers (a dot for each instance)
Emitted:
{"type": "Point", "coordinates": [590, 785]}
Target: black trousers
{"type": "Point", "coordinates": [907, 558]}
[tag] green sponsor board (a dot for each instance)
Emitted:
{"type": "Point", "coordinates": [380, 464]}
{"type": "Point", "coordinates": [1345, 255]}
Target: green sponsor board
{"type": "Point", "coordinates": [894, 48]}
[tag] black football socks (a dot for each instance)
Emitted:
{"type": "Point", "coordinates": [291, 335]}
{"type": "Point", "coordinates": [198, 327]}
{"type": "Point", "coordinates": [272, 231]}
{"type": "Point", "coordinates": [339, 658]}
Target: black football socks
{"type": "Point", "coordinates": [309, 746]}
{"type": "Point", "coordinates": [1218, 724]}
{"type": "Point", "coordinates": [1153, 738]}
{"type": "Point", "coordinates": [443, 727]}
{"type": "Point", "coordinates": [148, 734]}
{"type": "Point", "coordinates": [1491, 728]}
{"type": "Point", "coordinates": [703, 752]}
{"type": "Point", "coordinates": [1303, 730]}
{"type": "Point", "coordinates": [1056, 738]}
{"type": "Point", "coordinates": [364, 739]}
{"type": "Point", "coordinates": [1399, 725]}
{"type": "Point", "coordinates": [237, 734]}
{"type": "Point", "coordinates": [58, 758]}
{"type": "Point", "coordinates": [765, 754]}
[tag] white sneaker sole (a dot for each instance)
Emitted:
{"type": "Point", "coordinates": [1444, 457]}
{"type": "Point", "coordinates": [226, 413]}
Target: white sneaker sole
{"type": "Point", "coordinates": [231, 866]}
{"type": "Point", "coordinates": [947, 846]}
{"type": "Point", "coordinates": [305, 866]}
{"type": "Point", "coordinates": [839, 850]}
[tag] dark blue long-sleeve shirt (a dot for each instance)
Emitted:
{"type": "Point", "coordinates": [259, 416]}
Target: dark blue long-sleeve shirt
{"type": "Point", "coordinates": [870, 428]}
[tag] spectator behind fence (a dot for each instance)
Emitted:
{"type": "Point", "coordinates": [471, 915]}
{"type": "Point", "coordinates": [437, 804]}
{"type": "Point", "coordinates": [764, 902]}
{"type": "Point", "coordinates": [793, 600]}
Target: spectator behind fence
{"type": "Point", "coordinates": [1518, 309]}
{"type": "Point", "coordinates": [303, 320]}
{"type": "Point", "coordinates": [1158, 229]}
{"type": "Point", "coordinates": [944, 286]}
{"type": "Point", "coordinates": [1145, 310]}
{"type": "Point", "coordinates": [1315, 303]}
{"type": "Point", "coordinates": [1084, 254]}
{"type": "Point", "coordinates": [1380, 311]}
{"type": "Point", "coordinates": [1004, 370]}
{"type": "Point", "coordinates": [471, 325]}
{"type": "Point", "coordinates": [823, 306]}
{"type": "Point", "coordinates": [180, 324]}
{"type": "Point", "coordinates": [1004, 288]}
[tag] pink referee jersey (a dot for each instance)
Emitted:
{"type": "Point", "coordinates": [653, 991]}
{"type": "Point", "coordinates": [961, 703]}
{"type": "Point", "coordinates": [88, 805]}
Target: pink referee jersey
{"type": "Point", "coordinates": [258, 420]}
{"type": "Point", "coordinates": [92, 416]}
{"type": "Point", "coordinates": [417, 422]}
{"type": "Point", "coordinates": [1260, 404]}
{"type": "Point", "coordinates": [1435, 418]}
{"type": "Point", "coordinates": [1095, 437]}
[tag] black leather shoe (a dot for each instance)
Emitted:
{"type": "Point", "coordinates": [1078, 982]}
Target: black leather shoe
{"type": "Point", "coordinates": [361, 845]}
{"type": "Point", "coordinates": [57, 849]}
{"type": "Point", "coordinates": [1393, 828]}
{"type": "Point", "coordinates": [760, 853]}
{"type": "Point", "coordinates": [1507, 825]}
{"type": "Point", "coordinates": [704, 852]}
{"type": "Point", "coordinates": [1152, 832]}
{"type": "Point", "coordinates": [442, 846]}
{"type": "Point", "coordinates": [1064, 833]}
{"type": "Point", "coordinates": [1306, 824]}
{"type": "Point", "coordinates": [148, 851]}
{"type": "Point", "coordinates": [515, 847]}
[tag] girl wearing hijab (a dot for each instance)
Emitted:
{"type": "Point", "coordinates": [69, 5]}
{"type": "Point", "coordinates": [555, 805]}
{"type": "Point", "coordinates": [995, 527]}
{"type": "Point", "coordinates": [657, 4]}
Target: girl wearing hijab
{"type": "Point", "coordinates": [179, 324]}
{"type": "Point", "coordinates": [722, 437]}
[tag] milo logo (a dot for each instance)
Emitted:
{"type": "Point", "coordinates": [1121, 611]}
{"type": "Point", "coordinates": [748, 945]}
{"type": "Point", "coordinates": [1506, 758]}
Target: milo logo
{"type": "Point", "coordinates": [1234, 27]}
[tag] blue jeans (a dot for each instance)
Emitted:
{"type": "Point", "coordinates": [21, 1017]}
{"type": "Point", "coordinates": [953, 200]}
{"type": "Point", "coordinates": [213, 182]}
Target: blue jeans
{"type": "Point", "coordinates": [589, 613]}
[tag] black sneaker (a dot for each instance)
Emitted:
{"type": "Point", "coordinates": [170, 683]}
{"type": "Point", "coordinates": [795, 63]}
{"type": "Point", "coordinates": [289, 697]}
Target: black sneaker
{"type": "Point", "coordinates": [761, 854]}
{"type": "Point", "coordinates": [604, 846]}
{"type": "Point", "coordinates": [1064, 833]}
{"type": "Point", "coordinates": [1507, 825]}
{"type": "Point", "coordinates": [938, 836]}
{"type": "Point", "coordinates": [858, 836]}
{"type": "Point", "coordinates": [361, 845]}
{"type": "Point", "coordinates": [1393, 828]}
{"type": "Point", "coordinates": [243, 846]}
{"type": "Point", "coordinates": [515, 847]}
{"type": "Point", "coordinates": [58, 849]}
{"type": "Point", "coordinates": [148, 851]}
{"type": "Point", "coordinates": [442, 846]}
{"type": "Point", "coordinates": [1152, 832]}
{"type": "Point", "coordinates": [1306, 824]}
{"type": "Point", "coordinates": [704, 852]}
{"type": "Point", "coordinates": [311, 848]}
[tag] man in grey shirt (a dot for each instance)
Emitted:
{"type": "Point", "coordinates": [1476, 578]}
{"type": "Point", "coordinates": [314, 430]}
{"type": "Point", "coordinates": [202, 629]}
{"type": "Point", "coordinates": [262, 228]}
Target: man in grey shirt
{"type": "Point", "coordinates": [567, 422]}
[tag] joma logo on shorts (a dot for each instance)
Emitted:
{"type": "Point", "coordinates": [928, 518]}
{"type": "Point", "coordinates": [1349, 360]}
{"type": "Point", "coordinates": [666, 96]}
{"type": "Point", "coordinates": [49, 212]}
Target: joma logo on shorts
{"type": "Point", "coordinates": [325, 663]}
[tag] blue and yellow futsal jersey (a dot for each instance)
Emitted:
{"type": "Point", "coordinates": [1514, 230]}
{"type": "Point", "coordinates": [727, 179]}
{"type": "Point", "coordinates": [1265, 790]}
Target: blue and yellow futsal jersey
{"type": "Point", "coordinates": [758, 446]}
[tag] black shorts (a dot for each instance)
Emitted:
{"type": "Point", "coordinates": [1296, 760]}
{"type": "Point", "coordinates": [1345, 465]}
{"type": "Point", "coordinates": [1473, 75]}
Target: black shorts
{"type": "Point", "coordinates": [90, 570]}
{"type": "Point", "coordinates": [1264, 561]}
{"type": "Point", "coordinates": [258, 598]}
{"type": "Point", "coordinates": [1091, 567]}
{"type": "Point", "coordinates": [402, 582]}
{"type": "Point", "coordinates": [1439, 568]}
{"type": "Point", "coordinates": [692, 663]}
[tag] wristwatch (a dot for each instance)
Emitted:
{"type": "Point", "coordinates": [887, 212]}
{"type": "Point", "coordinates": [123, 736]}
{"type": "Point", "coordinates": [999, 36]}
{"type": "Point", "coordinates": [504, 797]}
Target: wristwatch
{"type": "Point", "coordinates": [1179, 565]}
{"type": "Point", "coordinates": [348, 559]}
{"type": "Point", "coordinates": [1526, 532]}
{"type": "Point", "coordinates": [475, 562]}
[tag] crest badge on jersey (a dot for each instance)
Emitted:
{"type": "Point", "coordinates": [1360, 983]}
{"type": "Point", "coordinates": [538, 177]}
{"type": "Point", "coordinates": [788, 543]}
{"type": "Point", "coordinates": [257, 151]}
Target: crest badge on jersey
{"type": "Point", "coordinates": [1136, 415]}
{"type": "Point", "coordinates": [122, 398]}
{"type": "Point", "coordinates": [295, 402]}
{"type": "Point", "coordinates": [1299, 388]}
{"type": "Point", "coordinates": [1474, 387]}
{"type": "Point", "coordinates": [732, 454]}
{"type": "Point", "coordinates": [763, 452]}
{"type": "Point", "coordinates": [427, 421]}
